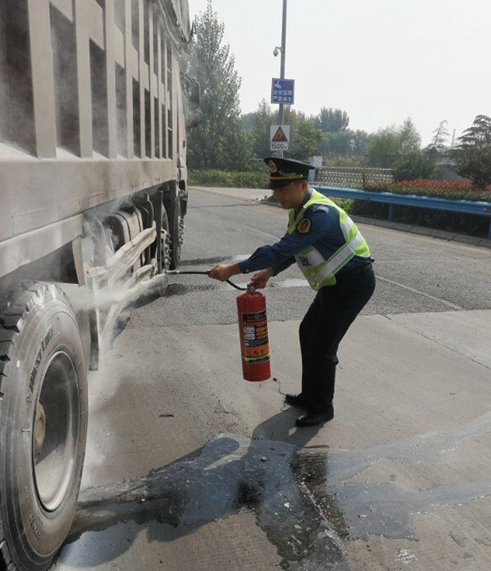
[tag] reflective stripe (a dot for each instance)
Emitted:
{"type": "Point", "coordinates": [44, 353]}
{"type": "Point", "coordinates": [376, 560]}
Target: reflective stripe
{"type": "Point", "coordinates": [339, 259]}
{"type": "Point", "coordinates": [310, 259]}
{"type": "Point", "coordinates": [347, 225]}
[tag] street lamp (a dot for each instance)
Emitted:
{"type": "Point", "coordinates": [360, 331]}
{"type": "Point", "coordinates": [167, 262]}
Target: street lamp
{"type": "Point", "coordinates": [282, 49]}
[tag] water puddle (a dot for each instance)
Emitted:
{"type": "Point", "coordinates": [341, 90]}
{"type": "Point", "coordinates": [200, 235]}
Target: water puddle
{"type": "Point", "coordinates": [229, 474]}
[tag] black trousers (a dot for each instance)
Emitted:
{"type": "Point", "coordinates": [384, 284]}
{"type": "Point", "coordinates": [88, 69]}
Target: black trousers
{"type": "Point", "coordinates": [328, 319]}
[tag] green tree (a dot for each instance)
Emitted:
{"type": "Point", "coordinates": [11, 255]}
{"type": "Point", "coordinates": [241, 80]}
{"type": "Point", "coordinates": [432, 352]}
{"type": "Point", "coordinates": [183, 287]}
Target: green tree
{"type": "Point", "coordinates": [384, 147]}
{"type": "Point", "coordinates": [473, 152]}
{"type": "Point", "coordinates": [305, 140]}
{"type": "Point", "coordinates": [440, 138]}
{"type": "Point", "coordinates": [359, 143]}
{"type": "Point", "coordinates": [346, 143]}
{"type": "Point", "coordinates": [262, 119]}
{"type": "Point", "coordinates": [220, 141]}
{"type": "Point", "coordinates": [389, 144]}
{"type": "Point", "coordinates": [410, 139]}
{"type": "Point", "coordinates": [337, 144]}
{"type": "Point", "coordinates": [331, 120]}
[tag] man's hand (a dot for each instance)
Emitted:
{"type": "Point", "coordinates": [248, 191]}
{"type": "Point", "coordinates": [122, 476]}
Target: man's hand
{"type": "Point", "coordinates": [223, 272]}
{"type": "Point", "coordinates": [260, 279]}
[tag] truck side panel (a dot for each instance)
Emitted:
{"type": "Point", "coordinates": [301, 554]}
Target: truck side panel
{"type": "Point", "coordinates": [87, 106]}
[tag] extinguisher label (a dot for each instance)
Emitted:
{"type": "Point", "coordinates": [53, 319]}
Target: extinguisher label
{"type": "Point", "coordinates": [255, 337]}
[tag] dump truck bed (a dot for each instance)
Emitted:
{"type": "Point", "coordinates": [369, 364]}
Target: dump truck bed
{"type": "Point", "coordinates": [88, 108]}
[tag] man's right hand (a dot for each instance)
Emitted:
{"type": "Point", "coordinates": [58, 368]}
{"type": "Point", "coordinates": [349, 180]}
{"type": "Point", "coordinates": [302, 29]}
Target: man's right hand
{"type": "Point", "coordinates": [260, 279]}
{"type": "Point", "coordinates": [223, 272]}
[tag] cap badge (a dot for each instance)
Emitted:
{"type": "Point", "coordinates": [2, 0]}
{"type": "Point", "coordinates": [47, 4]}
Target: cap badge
{"type": "Point", "coordinates": [272, 166]}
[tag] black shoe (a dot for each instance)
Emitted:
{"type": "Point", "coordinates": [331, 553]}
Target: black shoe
{"type": "Point", "coordinates": [315, 418]}
{"type": "Point", "coordinates": [296, 400]}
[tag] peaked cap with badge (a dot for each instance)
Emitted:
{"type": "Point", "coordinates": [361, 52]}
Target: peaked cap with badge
{"type": "Point", "coordinates": [285, 171]}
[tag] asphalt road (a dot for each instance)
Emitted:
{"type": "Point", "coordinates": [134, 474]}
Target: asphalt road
{"type": "Point", "coordinates": [190, 468]}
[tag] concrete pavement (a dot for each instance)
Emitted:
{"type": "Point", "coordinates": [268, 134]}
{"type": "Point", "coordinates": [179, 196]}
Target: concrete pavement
{"type": "Point", "coordinates": [398, 480]}
{"type": "Point", "coordinates": [408, 450]}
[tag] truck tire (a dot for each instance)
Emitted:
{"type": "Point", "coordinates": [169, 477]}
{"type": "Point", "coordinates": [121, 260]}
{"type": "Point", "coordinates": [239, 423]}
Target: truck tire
{"type": "Point", "coordinates": [176, 222]}
{"type": "Point", "coordinates": [43, 425]}
{"type": "Point", "coordinates": [165, 253]}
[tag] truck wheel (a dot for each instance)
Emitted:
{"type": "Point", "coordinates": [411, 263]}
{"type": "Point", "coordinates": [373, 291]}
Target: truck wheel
{"type": "Point", "coordinates": [177, 233]}
{"type": "Point", "coordinates": [43, 425]}
{"type": "Point", "coordinates": [165, 254]}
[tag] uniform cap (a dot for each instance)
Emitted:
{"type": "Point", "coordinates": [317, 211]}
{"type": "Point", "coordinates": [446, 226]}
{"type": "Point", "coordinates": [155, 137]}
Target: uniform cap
{"type": "Point", "coordinates": [285, 171]}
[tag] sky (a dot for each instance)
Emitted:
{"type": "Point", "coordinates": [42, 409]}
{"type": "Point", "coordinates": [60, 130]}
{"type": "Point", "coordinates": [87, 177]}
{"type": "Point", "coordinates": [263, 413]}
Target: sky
{"type": "Point", "coordinates": [381, 61]}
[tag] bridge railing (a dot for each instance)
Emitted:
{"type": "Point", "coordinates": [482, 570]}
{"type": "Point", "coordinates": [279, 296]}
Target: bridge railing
{"type": "Point", "coordinates": [459, 206]}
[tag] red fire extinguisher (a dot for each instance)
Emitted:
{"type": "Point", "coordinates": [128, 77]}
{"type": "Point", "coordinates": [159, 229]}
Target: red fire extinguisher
{"type": "Point", "coordinates": [253, 331]}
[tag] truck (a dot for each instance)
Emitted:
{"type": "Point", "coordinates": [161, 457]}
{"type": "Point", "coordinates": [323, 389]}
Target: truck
{"type": "Point", "coordinates": [94, 105]}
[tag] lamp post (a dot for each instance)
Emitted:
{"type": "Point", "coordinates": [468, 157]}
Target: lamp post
{"type": "Point", "coordinates": [282, 51]}
{"type": "Point", "coordinates": [283, 59]}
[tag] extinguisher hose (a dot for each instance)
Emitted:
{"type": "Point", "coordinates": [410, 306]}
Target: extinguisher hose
{"type": "Point", "coordinates": [196, 273]}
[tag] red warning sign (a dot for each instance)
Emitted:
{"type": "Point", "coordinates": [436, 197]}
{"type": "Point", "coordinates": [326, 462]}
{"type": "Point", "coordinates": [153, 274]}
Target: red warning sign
{"type": "Point", "coordinates": [280, 136]}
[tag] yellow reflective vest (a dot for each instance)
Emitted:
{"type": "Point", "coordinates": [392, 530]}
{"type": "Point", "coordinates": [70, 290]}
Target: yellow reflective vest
{"type": "Point", "coordinates": [318, 271]}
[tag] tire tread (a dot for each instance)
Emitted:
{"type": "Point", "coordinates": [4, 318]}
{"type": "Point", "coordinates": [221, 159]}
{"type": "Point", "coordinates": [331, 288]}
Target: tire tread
{"type": "Point", "coordinates": [12, 320]}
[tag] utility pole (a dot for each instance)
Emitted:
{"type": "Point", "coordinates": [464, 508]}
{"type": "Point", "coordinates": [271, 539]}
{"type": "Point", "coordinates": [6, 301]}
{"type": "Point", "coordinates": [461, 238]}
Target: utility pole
{"type": "Point", "coordinates": [283, 64]}
{"type": "Point", "coordinates": [283, 59]}
{"type": "Point", "coordinates": [281, 94]}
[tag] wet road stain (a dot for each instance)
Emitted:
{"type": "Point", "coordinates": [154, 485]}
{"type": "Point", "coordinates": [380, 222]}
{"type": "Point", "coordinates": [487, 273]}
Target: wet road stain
{"type": "Point", "coordinates": [229, 474]}
{"type": "Point", "coordinates": [302, 498]}
{"type": "Point", "coordinates": [385, 510]}
{"type": "Point", "coordinates": [428, 448]}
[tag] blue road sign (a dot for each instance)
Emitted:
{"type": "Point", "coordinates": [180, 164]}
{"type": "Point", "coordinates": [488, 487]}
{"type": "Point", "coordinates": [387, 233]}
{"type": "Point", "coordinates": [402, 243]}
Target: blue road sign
{"type": "Point", "coordinates": [283, 91]}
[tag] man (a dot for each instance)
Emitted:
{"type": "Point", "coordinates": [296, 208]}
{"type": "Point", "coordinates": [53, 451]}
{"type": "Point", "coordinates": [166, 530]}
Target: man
{"type": "Point", "coordinates": [334, 258]}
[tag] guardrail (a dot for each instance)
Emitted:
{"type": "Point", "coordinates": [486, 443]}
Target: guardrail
{"type": "Point", "coordinates": [460, 206]}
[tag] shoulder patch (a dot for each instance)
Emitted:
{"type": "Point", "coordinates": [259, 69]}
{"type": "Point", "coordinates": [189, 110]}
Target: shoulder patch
{"type": "Point", "coordinates": [304, 226]}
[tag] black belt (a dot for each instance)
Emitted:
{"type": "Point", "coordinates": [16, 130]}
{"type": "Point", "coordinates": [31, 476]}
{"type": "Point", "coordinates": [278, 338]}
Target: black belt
{"type": "Point", "coordinates": [350, 273]}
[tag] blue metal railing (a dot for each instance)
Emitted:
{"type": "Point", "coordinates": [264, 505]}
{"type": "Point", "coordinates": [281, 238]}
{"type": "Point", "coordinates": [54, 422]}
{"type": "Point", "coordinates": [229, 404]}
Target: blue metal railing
{"type": "Point", "coordinates": [460, 206]}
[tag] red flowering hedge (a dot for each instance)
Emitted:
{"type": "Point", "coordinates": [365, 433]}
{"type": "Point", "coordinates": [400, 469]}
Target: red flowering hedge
{"type": "Point", "coordinates": [435, 188]}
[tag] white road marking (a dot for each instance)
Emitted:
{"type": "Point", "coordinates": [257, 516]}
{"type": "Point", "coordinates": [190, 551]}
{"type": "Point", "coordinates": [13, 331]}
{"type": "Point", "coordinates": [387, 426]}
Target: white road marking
{"type": "Point", "coordinates": [444, 301]}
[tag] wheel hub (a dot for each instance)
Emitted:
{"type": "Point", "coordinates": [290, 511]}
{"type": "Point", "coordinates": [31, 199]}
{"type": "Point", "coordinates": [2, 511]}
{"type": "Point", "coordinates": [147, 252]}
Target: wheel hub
{"type": "Point", "coordinates": [39, 429]}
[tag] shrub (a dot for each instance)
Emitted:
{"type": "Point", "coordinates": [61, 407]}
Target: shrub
{"type": "Point", "coordinates": [414, 165]}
